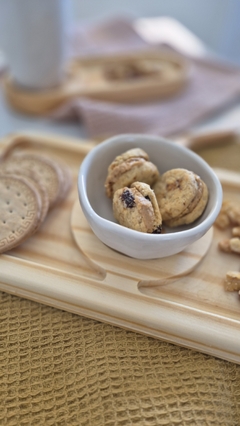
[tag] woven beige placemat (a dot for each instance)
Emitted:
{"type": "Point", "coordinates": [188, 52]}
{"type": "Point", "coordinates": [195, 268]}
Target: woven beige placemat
{"type": "Point", "coordinates": [57, 368]}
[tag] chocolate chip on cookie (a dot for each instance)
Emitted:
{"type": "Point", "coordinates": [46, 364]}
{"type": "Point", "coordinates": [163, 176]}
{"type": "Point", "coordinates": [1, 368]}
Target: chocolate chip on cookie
{"type": "Point", "coordinates": [128, 199]}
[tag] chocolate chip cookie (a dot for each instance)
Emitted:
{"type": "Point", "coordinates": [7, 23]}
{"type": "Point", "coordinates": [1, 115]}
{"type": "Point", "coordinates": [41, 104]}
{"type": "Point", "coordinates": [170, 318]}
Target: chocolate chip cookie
{"type": "Point", "coordinates": [178, 192]}
{"type": "Point", "coordinates": [136, 207]}
{"type": "Point", "coordinates": [132, 166]}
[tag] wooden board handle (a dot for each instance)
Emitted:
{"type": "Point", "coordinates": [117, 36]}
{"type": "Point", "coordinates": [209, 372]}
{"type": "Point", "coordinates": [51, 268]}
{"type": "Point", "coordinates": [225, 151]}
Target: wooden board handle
{"type": "Point", "coordinates": [214, 138]}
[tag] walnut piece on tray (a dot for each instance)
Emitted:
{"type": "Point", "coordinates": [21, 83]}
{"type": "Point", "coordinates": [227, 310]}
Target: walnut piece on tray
{"type": "Point", "coordinates": [229, 216]}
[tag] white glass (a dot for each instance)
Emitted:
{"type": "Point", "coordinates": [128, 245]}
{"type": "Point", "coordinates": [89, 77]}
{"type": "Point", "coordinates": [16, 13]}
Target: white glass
{"type": "Point", "coordinates": [33, 38]}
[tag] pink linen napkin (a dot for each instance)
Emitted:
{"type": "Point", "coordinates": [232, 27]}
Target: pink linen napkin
{"type": "Point", "coordinates": [211, 86]}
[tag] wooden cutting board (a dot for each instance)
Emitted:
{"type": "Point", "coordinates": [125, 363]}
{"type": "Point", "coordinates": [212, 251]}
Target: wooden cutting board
{"type": "Point", "coordinates": [180, 299]}
{"type": "Point", "coordinates": [128, 78]}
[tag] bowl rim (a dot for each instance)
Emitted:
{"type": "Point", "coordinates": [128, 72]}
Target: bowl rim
{"type": "Point", "coordinates": [127, 232]}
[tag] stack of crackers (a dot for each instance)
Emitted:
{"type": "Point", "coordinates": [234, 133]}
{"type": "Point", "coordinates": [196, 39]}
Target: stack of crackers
{"type": "Point", "coordinates": [30, 185]}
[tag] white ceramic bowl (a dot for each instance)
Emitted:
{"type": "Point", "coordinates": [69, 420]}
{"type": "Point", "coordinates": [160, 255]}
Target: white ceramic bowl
{"type": "Point", "coordinates": [97, 208]}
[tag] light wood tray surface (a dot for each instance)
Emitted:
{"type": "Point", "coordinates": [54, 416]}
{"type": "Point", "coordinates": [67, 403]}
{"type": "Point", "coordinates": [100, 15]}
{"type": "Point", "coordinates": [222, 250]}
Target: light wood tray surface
{"type": "Point", "coordinates": [88, 78]}
{"type": "Point", "coordinates": [181, 300]}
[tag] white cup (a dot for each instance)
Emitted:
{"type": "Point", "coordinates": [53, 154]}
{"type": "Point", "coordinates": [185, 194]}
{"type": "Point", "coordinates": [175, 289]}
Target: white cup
{"type": "Point", "coordinates": [33, 39]}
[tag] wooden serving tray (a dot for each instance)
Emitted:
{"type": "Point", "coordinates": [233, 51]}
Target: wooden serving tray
{"type": "Point", "coordinates": [90, 78]}
{"type": "Point", "coordinates": [179, 299]}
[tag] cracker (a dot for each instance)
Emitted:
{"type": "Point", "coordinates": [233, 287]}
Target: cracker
{"type": "Point", "coordinates": [20, 207]}
{"type": "Point", "coordinates": [13, 168]}
{"type": "Point", "coordinates": [46, 170]}
{"type": "Point", "coordinates": [9, 168]}
{"type": "Point", "coordinates": [44, 202]}
{"type": "Point", "coordinates": [66, 183]}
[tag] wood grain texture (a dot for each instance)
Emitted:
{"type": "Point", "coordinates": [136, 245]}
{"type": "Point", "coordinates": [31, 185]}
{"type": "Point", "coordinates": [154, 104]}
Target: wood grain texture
{"type": "Point", "coordinates": [85, 77]}
{"type": "Point", "coordinates": [191, 310]}
{"type": "Point", "coordinates": [152, 272]}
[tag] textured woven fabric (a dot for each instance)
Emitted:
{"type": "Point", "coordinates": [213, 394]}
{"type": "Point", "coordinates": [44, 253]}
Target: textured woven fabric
{"type": "Point", "coordinates": [57, 368]}
{"type": "Point", "coordinates": [211, 86]}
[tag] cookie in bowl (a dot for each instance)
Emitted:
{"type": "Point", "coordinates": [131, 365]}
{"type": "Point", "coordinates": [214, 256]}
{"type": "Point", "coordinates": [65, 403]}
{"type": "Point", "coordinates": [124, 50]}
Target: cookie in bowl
{"type": "Point", "coordinates": [182, 196]}
{"type": "Point", "coordinates": [131, 166]}
{"type": "Point", "coordinates": [137, 208]}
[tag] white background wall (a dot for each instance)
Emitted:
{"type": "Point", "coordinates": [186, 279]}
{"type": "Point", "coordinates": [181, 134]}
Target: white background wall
{"type": "Point", "coordinates": [215, 22]}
